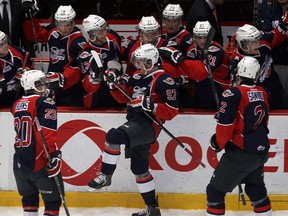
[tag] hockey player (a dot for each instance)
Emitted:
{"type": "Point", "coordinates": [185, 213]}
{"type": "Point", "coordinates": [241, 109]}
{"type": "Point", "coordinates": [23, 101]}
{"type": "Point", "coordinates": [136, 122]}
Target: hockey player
{"type": "Point", "coordinates": [251, 42]}
{"type": "Point", "coordinates": [202, 91]}
{"type": "Point", "coordinates": [173, 30]}
{"type": "Point", "coordinates": [32, 172]}
{"type": "Point", "coordinates": [65, 41]}
{"type": "Point", "coordinates": [97, 91]}
{"type": "Point", "coordinates": [149, 31]}
{"type": "Point", "coordinates": [242, 131]}
{"type": "Point", "coordinates": [11, 59]}
{"type": "Point", "coordinates": [154, 92]}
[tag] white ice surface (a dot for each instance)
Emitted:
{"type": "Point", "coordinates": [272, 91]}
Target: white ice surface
{"type": "Point", "coordinates": [17, 211]}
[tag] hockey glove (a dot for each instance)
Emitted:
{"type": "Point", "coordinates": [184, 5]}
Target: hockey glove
{"type": "Point", "coordinates": [114, 65]}
{"type": "Point", "coordinates": [30, 5]}
{"type": "Point", "coordinates": [123, 79]}
{"type": "Point", "coordinates": [143, 103]}
{"type": "Point", "coordinates": [213, 144]}
{"type": "Point", "coordinates": [94, 71]}
{"type": "Point", "coordinates": [54, 167]}
{"type": "Point", "coordinates": [111, 80]}
{"type": "Point", "coordinates": [56, 80]}
{"type": "Point", "coordinates": [182, 80]}
{"type": "Point", "coordinates": [284, 23]}
{"type": "Point", "coordinates": [171, 54]}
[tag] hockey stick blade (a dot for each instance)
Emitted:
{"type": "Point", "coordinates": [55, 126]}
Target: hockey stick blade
{"type": "Point", "coordinates": [97, 59]}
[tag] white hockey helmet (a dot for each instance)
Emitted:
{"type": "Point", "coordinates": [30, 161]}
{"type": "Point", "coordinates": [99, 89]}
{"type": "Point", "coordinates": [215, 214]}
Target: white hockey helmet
{"type": "Point", "coordinates": [247, 33]}
{"type": "Point", "coordinates": [148, 54]}
{"type": "Point", "coordinates": [93, 22]}
{"type": "Point", "coordinates": [201, 29]}
{"type": "Point", "coordinates": [65, 13]}
{"type": "Point", "coordinates": [31, 79]}
{"type": "Point", "coordinates": [2, 37]}
{"type": "Point", "coordinates": [172, 11]}
{"type": "Point", "coordinates": [148, 24]}
{"type": "Point", "coordinates": [248, 67]}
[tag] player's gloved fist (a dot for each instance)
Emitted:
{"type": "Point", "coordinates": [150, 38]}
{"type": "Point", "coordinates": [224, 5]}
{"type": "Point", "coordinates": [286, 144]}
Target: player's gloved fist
{"type": "Point", "coordinates": [54, 167]}
{"type": "Point", "coordinates": [94, 71]}
{"type": "Point", "coordinates": [56, 80]}
{"type": "Point", "coordinates": [111, 78]}
{"type": "Point", "coordinates": [123, 79]}
{"type": "Point", "coordinates": [30, 6]}
{"type": "Point", "coordinates": [142, 103]}
{"type": "Point", "coordinates": [20, 71]}
{"type": "Point", "coordinates": [213, 144]}
{"type": "Point", "coordinates": [182, 80]}
{"type": "Point", "coordinates": [171, 54]}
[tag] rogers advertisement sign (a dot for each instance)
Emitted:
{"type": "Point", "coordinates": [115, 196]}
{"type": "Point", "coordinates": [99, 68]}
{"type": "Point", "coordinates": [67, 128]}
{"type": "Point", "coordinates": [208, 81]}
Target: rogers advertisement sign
{"type": "Point", "coordinates": [82, 139]}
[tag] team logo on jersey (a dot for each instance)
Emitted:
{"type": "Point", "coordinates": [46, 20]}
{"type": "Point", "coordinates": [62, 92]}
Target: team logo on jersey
{"type": "Point", "coordinates": [227, 93]}
{"type": "Point", "coordinates": [169, 81]}
{"type": "Point", "coordinates": [57, 54]}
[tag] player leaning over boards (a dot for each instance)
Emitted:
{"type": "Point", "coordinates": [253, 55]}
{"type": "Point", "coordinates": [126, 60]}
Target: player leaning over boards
{"type": "Point", "coordinates": [154, 92]}
{"type": "Point", "coordinates": [32, 174]}
{"type": "Point", "coordinates": [242, 131]}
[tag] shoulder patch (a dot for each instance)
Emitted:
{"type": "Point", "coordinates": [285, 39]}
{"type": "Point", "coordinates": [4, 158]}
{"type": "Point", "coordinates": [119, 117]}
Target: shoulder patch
{"type": "Point", "coordinates": [136, 76]}
{"type": "Point", "coordinates": [227, 93]}
{"type": "Point", "coordinates": [49, 101]}
{"type": "Point", "coordinates": [213, 49]}
{"type": "Point", "coordinates": [169, 81]}
{"type": "Point", "coordinates": [84, 55]}
{"type": "Point", "coordinates": [82, 44]}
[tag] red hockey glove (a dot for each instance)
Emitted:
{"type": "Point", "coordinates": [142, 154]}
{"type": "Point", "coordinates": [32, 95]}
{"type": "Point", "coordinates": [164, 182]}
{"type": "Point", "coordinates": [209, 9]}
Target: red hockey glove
{"type": "Point", "coordinates": [171, 54]}
{"type": "Point", "coordinates": [55, 165]}
{"type": "Point", "coordinates": [112, 77]}
{"type": "Point", "coordinates": [213, 144]}
{"type": "Point", "coordinates": [56, 80]}
{"type": "Point", "coordinates": [143, 103]}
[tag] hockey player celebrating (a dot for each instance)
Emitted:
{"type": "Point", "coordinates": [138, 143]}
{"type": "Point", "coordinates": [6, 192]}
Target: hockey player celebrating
{"type": "Point", "coordinates": [11, 59]}
{"type": "Point", "coordinates": [202, 91]}
{"type": "Point", "coordinates": [65, 41]}
{"type": "Point", "coordinates": [97, 91]}
{"type": "Point", "coordinates": [172, 27]}
{"type": "Point", "coordinates": [33, 174]}
{"type": "Point", "coordinates": [242, 131]}
{"type": "Point", "coordinates": [251, 42]}
{"type": "Point", "coordinates": [153, 92]}
{"type": "Point", "coordinates": [149, 31]}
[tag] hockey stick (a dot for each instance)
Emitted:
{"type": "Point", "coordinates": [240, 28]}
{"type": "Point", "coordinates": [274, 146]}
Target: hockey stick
{"type": "Point", "coordinates": [49, 160]}
{"type": "Point", "coordinates": [99, 64]}
{"type": "Point", "coordinates": [36, 41]}
{"type": "Point", "coordinates": [209, 39]}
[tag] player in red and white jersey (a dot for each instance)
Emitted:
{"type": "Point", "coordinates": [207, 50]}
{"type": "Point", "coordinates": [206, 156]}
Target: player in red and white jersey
{"type": "Point", "coordinates": [33, 174]}
{"type": "Point", "coordinates": [252, 42]}
{"type": "Point", "coordinates": [65, 41]}
{"type": "Point", "coordinates": [242, 130]}
{"type": "Point", "coordinates": [202, 90]}
{"type": "Point", "coordinates": [154, 92]}
{"type": "Point", "coordinates": [149, 30]}
{"type": "Point", "coordinates": [97, 91]}
{"type": "Point", "coordinates": [11, 59]}
{"type": "Point", "coordinates": [172, 28]}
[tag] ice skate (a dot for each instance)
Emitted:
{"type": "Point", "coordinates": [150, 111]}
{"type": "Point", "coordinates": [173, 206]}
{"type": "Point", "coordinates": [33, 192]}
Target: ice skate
{"type": "Point", "coordinates": [100, 181]}
{"type": "Point", "coordinates": [149, 211]}
{"type": "Point", "coordinates": [152, 210]}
